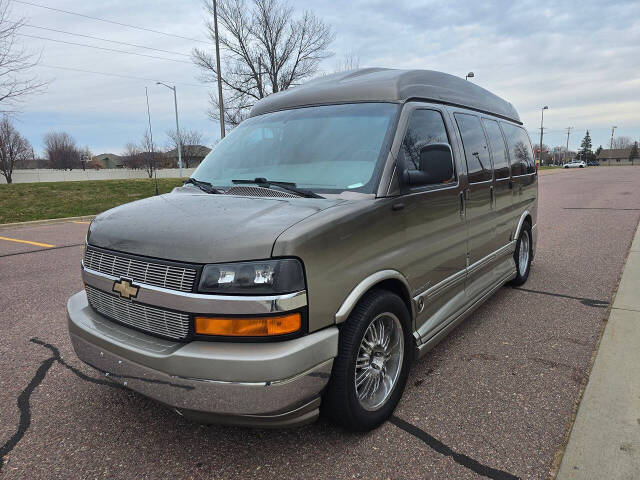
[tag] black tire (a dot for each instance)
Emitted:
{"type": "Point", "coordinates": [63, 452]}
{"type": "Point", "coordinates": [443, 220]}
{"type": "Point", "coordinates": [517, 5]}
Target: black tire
{"type": "Point", "coordinates": [340, 401]}
{"type": "Point", "coordinates": [522, 276]}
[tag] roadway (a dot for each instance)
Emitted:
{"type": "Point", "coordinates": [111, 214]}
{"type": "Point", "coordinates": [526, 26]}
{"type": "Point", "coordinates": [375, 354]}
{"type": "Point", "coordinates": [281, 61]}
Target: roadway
{"type": "Point", "coordinates": [496, 399]}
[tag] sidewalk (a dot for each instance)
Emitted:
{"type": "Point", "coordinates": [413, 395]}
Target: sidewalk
{"type": "Point", "coordinates": [605, 439]}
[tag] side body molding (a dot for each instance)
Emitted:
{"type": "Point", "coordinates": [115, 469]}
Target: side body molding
{"type": "Point", "coordinates": [357, 293]}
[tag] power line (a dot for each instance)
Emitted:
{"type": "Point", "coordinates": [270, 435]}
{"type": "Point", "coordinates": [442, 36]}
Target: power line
{"type": "Point", "coordinates": [118, 75]}
{"type": "Point", "coordinates": [106, 40]}
{"type": "Point", "coordinates": [104, 48]}
{"type": "Point", "coordinates": [110, 21]}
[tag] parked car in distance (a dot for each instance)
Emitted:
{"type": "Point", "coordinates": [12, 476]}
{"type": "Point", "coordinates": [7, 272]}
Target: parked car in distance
{"type": "Point", "coordinates": [593, 164]}
{"type": "Point", "coordinates": [575, 164]}
{"type": "Point", "coordinates": [341, 231]}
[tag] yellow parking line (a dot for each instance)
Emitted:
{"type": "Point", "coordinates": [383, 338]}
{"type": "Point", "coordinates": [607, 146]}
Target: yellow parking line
{"type": "Point", "coordinates": [78, 221]}
{"type": "Point", "coordinates": [47, 245]}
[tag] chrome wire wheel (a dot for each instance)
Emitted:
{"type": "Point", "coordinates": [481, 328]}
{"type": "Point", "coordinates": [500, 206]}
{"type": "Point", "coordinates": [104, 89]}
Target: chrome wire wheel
{"type": "Point", "coordinates": [379, 361]}
{"type": "Point", "coordinates": [525, 248]}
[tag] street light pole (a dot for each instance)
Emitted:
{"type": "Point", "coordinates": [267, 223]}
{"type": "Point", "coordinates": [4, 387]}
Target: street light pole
{"type": "Point", "coordinates": [469, 75]}
{"type": "Point", "coordinates": [178, 136]}
{"type": "Point", "coordinates": [541, 132]}
{"type": "Point", "coordinates": [219, 74]}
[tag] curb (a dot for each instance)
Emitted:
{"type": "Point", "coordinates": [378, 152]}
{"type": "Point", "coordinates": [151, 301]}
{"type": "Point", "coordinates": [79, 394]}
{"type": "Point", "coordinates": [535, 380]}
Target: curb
{"type": "Point", "coordinates": [33, 223]}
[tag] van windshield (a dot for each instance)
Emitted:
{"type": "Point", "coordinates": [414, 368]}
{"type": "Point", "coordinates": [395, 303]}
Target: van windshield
{"type": "Point", "coordinates": [329, 148]}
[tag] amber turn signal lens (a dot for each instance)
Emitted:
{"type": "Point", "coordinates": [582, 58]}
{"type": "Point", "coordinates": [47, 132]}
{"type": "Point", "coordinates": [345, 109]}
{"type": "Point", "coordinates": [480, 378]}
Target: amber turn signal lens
{"type": "Point", "coordinates": [249, 326]}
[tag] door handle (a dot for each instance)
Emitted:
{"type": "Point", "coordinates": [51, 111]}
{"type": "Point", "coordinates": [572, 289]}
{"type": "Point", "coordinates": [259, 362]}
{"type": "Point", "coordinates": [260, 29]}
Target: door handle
{"type": "Point", "coordinates": [491, 195]}
{"type": "Point", "coordinates": [462, 204]}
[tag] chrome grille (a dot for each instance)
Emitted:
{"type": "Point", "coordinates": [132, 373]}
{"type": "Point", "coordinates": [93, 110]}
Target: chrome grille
{"type": "Point", "coordinates": [150, 319]}
{"type": "Point", "coordinates": [156, 274]}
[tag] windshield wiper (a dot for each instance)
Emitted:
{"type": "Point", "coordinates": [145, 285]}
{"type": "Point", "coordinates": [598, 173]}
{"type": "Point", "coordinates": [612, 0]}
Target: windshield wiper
{"type": "Point", "coordinates": [204, 186]}
{"type": "Point", "coordinates": [289, 186]}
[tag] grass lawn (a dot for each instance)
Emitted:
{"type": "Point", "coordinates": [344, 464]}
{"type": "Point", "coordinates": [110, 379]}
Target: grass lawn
{"type": "Point", "coordinates": [20, 202]}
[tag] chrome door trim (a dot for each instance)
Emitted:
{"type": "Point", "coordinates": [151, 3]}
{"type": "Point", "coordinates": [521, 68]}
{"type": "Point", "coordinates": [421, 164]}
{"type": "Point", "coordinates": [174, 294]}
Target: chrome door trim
{"type": "Point", "coordinates": [352, 299]}
{"type": "Point", "coordinates": [449, 282]}
{"type": "Point", "coordinates": [440, 287]}
{"type": "Point", "coordinates": [199, 302]}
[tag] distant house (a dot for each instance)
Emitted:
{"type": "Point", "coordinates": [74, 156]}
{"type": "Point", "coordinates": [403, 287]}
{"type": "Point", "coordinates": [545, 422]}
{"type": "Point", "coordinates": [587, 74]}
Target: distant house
{"type": "Point", "coordinates": [616, 156]}
{"type": "Point", "coordinates": [106, 160]}
{"type": "Point", "coordinates": [192, 155]}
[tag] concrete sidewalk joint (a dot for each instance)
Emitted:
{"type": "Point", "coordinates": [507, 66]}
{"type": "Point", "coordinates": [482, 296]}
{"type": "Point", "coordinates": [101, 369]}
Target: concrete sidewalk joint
{"type": "Point", "coordinates": [605, 439]}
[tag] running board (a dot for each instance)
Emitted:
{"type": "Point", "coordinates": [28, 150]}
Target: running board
{"type": "Point", "coordinates": [423, 348]}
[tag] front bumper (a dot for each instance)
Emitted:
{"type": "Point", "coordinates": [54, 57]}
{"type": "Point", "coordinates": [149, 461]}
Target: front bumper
{"type": "Point", "coordinates": [255, 384]}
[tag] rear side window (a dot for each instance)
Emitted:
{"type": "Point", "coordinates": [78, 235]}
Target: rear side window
{"type": "Point", "coordinates": [425, 127]}
{"type": "Point", "coordinates": [498, 148]}
{"type": "Point", "coordinates": [519, 150]}
{"type": "Point", "coordinates": [475, 147]}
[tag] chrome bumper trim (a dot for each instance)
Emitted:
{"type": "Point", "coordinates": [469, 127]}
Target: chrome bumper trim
{"type": "Point", "coordinates": [208, 396]}
{"type": "Point", "coordinates": [201, 303]}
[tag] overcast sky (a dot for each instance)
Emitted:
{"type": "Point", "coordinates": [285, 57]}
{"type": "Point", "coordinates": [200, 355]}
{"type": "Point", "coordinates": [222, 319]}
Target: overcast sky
{"type": "Point", "coordinates": [581, 58]}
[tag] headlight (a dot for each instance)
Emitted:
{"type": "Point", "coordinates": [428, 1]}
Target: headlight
{"type": "Point", "coordinates": [253, 278]}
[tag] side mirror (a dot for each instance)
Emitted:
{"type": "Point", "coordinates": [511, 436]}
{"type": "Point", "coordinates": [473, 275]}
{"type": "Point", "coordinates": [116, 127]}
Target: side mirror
{"type": "Point", "coordinates": [436, 166]}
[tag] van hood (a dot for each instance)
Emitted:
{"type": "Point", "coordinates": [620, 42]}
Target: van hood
{"type": "Point", "coordinates": [201, 228]}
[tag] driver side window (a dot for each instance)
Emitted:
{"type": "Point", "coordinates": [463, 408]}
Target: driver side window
{"type": "Point", "coordinates": [425, 127]}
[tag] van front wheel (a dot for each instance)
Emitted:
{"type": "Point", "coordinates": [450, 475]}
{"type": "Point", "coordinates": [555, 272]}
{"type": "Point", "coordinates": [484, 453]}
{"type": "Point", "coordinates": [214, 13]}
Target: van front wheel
{"type": "Point", "coordinates": [370, 372]}
{"type": "Point", "coordinates": [522, 255]}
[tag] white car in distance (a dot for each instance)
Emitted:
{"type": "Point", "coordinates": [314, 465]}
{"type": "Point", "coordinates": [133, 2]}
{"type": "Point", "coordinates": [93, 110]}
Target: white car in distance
{"type": "Point", "coordinates": [575, 164]}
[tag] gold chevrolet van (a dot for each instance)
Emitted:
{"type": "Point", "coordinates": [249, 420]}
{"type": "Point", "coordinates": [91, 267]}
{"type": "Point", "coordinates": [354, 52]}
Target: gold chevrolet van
{"type": "Point", "coordinates": [342, 230]}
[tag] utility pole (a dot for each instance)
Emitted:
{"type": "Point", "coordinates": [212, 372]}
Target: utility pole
{"type": "Point", "coordinates": [220, 99]}
{"type": "Point", "coordinates": [541, 132]}
{"type": "Point", "coordinates": [153, 155]}
{"type": "Point", "coordinates": [611, 147]}
{"type": "Point", "coordinates": [566, 152]}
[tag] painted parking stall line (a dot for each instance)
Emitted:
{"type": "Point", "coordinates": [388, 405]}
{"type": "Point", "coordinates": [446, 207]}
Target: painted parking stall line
{"type": "Point", "coordinates": [28, 242]}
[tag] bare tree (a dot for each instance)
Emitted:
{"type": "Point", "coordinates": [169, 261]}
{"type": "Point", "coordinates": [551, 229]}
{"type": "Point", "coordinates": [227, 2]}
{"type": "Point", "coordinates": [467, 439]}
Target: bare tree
{"type": "Point", "coordinates": [15, 61]}
{"type": "Point", "coordinates": [14, 148]}
{"type": "Point", "coordinates": [622, 142]}
{"type": "Point", "coordinates": [148, 154]}
{"type": "Point", "coordinates": [61, 151]}
{"type": "Point", "coordinates": [265, 50]}
{"type": "Point", "coordinates": [131, 157]}
{"type": "Point", "coordinates": [192, 149]}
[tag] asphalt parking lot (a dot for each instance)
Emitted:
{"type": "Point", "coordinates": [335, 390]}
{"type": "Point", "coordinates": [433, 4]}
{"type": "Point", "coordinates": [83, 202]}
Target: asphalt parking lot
{"type": "Point", "coordinates": [494, 400]}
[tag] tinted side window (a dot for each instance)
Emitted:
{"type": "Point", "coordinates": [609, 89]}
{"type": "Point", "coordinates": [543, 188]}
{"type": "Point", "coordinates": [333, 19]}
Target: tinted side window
{"type": "Point", "coordinates": [475, 147]}
{"type": "Point", "coordinates": [425, 127]}
{"type": "Point", "coordinates": [498, 149]}
{"type": "Point", "coordinates": [519, 150]}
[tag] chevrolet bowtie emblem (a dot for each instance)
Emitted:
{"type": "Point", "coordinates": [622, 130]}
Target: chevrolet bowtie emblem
{"type": "Point", "coordinates": [125, 288]}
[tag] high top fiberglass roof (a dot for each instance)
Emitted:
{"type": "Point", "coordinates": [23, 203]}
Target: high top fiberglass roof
{"type": "Point", "coordinates": [388, 85]}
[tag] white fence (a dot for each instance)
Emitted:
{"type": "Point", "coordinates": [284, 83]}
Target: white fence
{"type": "Point", "coordinates": [48, 175]}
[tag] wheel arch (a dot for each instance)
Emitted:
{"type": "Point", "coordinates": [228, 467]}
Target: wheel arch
{"type": "Point", "coordinates": [526, 216]}
{"type": "Point", "coordinates": [390, 280]}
